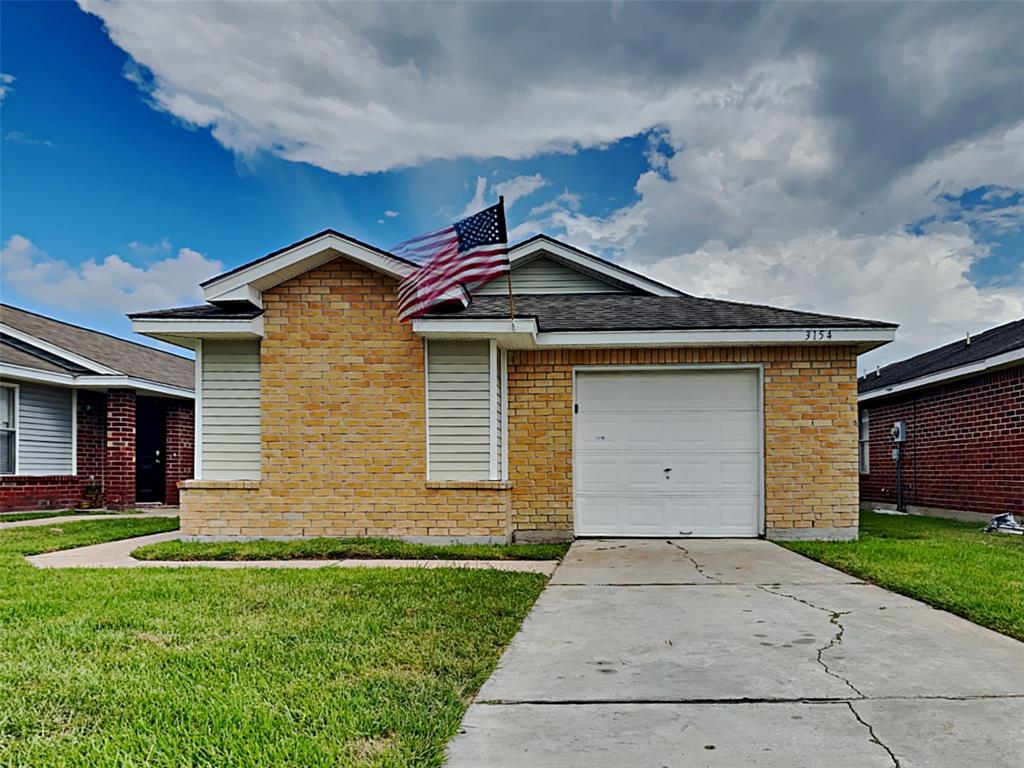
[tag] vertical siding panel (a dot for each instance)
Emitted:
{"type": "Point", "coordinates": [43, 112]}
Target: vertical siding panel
{"type": "Point", "coordinates": [231, 410]}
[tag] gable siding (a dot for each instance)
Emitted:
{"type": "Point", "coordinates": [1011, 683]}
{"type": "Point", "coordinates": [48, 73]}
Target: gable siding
{"type": "Point", "coordinates": [44, 431]}
{"type": "Point", "coordinates": [458, 412]}
{"type": "Point", "coordinates": [547, 276]}
{"type": "Point", "coordinates": [231, 410]}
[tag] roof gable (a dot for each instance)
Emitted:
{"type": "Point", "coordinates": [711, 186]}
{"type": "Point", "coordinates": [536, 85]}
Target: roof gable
{"type": "Point", "coordinates": [544, 273]}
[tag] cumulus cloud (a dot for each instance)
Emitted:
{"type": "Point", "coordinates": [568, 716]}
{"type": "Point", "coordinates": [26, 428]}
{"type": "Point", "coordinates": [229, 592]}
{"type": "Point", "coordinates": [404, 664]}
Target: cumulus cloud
{"type": "Point", "coordinates": [112, 284]}
{"type": "Point", "coordinates": [920, 282]}
{"type": "Point", "coordinates": [391, 214]}
{"type": "Point", "coordinates": [797, 154]}
{"type": "Point", "coordinates": [6, 81]}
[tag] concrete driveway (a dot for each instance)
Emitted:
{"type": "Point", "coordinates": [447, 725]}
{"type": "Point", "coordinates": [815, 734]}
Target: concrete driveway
{"type": "Point", "coordinates": [740, 653]}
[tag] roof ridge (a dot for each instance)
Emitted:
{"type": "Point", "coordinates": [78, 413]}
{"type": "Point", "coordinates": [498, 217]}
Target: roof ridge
{"type": "Point", "coordinates": [5, 305]}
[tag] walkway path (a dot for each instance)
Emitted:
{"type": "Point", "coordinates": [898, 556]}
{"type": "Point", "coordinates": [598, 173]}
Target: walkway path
{"type": "Point", "coordinates": [157, 512]}
{"type": "Point", "coordinates": [117, 554]}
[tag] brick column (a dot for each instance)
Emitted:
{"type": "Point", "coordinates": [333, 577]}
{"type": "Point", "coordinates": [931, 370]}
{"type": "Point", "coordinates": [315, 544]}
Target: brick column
{"type": "Point", "coordinates": [119, 459]}
{"type": "Point", "coordinates": [180, 446]}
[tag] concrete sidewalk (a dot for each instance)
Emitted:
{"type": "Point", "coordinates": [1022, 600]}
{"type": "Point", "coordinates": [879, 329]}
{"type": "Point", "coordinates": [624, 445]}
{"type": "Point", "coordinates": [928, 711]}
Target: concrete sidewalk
{"type": "Point", "coordinates": [117, 554]}
{"type": "Point", "coordinates": [732, 653]}
{"type": "Point", "coordinates": [159, 512]}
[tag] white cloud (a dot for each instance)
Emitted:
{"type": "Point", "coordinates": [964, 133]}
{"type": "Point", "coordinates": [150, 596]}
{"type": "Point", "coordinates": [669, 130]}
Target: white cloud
{"type": "Point", "coordinates": [513, 189]}
{"type": "Point", "coordinates": [147, 250]}
{"type": "Point", "coordinates": [519, 187]}
{"type": "Point", "coordinates": [792, 146]}
{"type": "Point", "coordinates": [920, 282]}
{"type": "Point", "coordinates": [5, 84]}
{"type": "Point", "coordinates": [112, 285]}
{"type": "Point", "coordinates": [391, 214]}
{"type": "Point", "coordinates": [479, 199]}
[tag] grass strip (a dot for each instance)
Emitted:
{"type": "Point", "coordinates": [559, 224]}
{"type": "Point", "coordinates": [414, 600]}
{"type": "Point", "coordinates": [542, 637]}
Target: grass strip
{"type": "Point", "coordinates": [341, 549]}
{"type": "Point", "coordinates": [946, 563]}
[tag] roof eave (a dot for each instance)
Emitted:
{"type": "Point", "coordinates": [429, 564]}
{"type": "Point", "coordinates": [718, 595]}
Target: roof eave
{"type": "Point", "coordinates": [524, 333]}
{"type": "Point", "coordinates": [989, 364]}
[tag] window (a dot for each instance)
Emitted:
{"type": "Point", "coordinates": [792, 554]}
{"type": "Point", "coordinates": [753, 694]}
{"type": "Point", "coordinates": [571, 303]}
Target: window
{"type": "Point", "coordinates": [8, 429]}
{"type": "Point", "coordinates": [865, 443]}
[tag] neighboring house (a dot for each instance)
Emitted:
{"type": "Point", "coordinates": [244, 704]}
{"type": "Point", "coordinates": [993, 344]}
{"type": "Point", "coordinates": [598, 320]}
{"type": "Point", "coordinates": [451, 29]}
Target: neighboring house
{"type": "Point", "coordinates": [89, 419]}
{"type": "Point", "coordinates": [963, 404]}
{"type": "Point", "coordinates": [612, 405]}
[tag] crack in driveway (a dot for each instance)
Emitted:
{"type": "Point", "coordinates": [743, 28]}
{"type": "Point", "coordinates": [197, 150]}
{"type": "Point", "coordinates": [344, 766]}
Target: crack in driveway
{"type": "Point", "coordinates": [873, 735]}
{"type": "Point", "coordinates": [837, 639]}
{"type": "Point", "coordinates": [697, 566]}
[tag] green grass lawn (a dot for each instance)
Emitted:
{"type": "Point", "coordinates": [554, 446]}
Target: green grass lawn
{"type": "Point", "coordinates": [13, 517]}
{"type": "Point", "coordinates": [945, 563]}
{"type": "Point", "coordinates": [339, 549]}
{"type": "Point", "coordinates": [162, 667]}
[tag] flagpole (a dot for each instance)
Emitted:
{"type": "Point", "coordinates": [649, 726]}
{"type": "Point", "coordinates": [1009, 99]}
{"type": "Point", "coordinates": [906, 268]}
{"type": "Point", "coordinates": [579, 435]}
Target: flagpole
{"type": "Point", "coordinates": [511, 300]}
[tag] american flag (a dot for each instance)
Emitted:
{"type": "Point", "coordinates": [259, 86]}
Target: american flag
{"type": "Point", "coordinates": [453, 261]}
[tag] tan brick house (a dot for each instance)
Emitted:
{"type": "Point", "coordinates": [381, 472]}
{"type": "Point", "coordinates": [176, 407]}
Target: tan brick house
{"type": "Point", "coordinates": [610, 405]}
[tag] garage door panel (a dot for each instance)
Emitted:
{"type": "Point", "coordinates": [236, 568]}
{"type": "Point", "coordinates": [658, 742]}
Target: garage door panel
{"type": "Point", "coordinates": [598, 432]}
{"type": "Point", "coordinates": [632, 426]}
{"type": "Point", "coordinates": [596, 473]}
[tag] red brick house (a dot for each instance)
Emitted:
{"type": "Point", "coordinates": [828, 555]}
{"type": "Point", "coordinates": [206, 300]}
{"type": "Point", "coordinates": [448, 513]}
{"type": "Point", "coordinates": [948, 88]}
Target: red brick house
{"type": "Point", "coordinates": [963, 405]}
{"type": "Point", "coordinates": [87, 419]}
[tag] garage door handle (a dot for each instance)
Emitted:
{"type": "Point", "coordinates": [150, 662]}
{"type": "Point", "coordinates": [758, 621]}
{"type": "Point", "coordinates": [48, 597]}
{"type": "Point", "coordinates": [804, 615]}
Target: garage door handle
{"type": "Point", "coordinates": [667, 470]}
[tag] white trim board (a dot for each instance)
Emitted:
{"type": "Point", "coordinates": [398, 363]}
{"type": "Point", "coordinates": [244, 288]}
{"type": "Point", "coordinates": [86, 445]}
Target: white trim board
{"type": "Point", "coordinates": [523, 334]}
{"type": "Point", "coordinates": [197, 415]}
{"type": "Point", "coordinates": [98, 381]}
{"type": "Point", "coordinates": [961, 371]}
{"type": "Point", "coordinates": [17, 426]}
{"type": "Point", "coordinates": [53, 349]}
{"type": "Point", "coordinates": [295, 261]}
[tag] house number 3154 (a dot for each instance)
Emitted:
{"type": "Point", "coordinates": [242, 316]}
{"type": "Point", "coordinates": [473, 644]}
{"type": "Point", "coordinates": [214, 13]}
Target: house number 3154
{"type": "Point", "coordinates": [816, 335]}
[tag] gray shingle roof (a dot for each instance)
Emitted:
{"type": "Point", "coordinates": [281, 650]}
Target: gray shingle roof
{"type": "Point", "coordinates": [240, 310]}
{"type": "Point", "coordinates": [626, 312]}
{"type": "Point", "coordinates": [126, 357]}
{"type": "Point", "coordinates": [17, 355]}
{"type": "Point", "coordinates": [995, 341]}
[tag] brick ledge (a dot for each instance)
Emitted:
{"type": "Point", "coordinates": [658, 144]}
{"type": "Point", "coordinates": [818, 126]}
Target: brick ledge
{"type": "Point", "coordinates": [462, 485]}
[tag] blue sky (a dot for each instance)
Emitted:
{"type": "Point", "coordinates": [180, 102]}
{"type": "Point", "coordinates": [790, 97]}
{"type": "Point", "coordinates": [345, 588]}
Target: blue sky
{"type": "Point", "coordinates": [134, 166]}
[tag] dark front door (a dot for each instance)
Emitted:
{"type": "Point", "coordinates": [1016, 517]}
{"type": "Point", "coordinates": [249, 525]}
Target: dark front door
{"type": "Point", "coordinates": [150, 449]}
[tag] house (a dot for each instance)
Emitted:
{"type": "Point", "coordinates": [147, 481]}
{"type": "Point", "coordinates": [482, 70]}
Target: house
{"type": "Point", "coordinates": [610, 405]}
{"type": "Point", "coordinates": [87, 419]}
{"type": "Point", "coordinates": [963, 405]}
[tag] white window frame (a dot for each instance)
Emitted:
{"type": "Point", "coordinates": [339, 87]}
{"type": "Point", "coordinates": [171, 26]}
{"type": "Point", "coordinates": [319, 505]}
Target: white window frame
{"type": "Point", "coordinates": [16, 421]}
{"type": "Point", "coordinates": [864, 442]}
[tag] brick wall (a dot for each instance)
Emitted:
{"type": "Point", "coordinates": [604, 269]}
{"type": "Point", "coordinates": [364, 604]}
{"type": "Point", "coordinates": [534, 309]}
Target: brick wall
{"type": "Point", "coordinates": [119, 457]}
{"type": "Point", "coordinates": [180, 446]}
{"type": "Point", "coordinates": [106, 468]}
{"type": "Point", "coordinates": [344, 441]}
{"type": "Point", "coordinates": [343, 426]}
{"type": "Point", "coordinates": [965, 447]}
{"type": "Point", "coordinates": [810, 431]}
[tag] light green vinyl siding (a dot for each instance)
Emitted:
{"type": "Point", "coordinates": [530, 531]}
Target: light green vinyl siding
{"type": "Point", "coordinates": [546, 276]}
{"type": "Point", "coordinates": [231, 410]}
{"type": "Point", "coordinates": [458, 412]}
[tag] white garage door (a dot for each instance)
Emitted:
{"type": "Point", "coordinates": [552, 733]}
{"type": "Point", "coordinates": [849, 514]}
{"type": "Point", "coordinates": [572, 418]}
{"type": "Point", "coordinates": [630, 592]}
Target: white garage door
{"type": "Point", "coordinates": [667, 453]}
